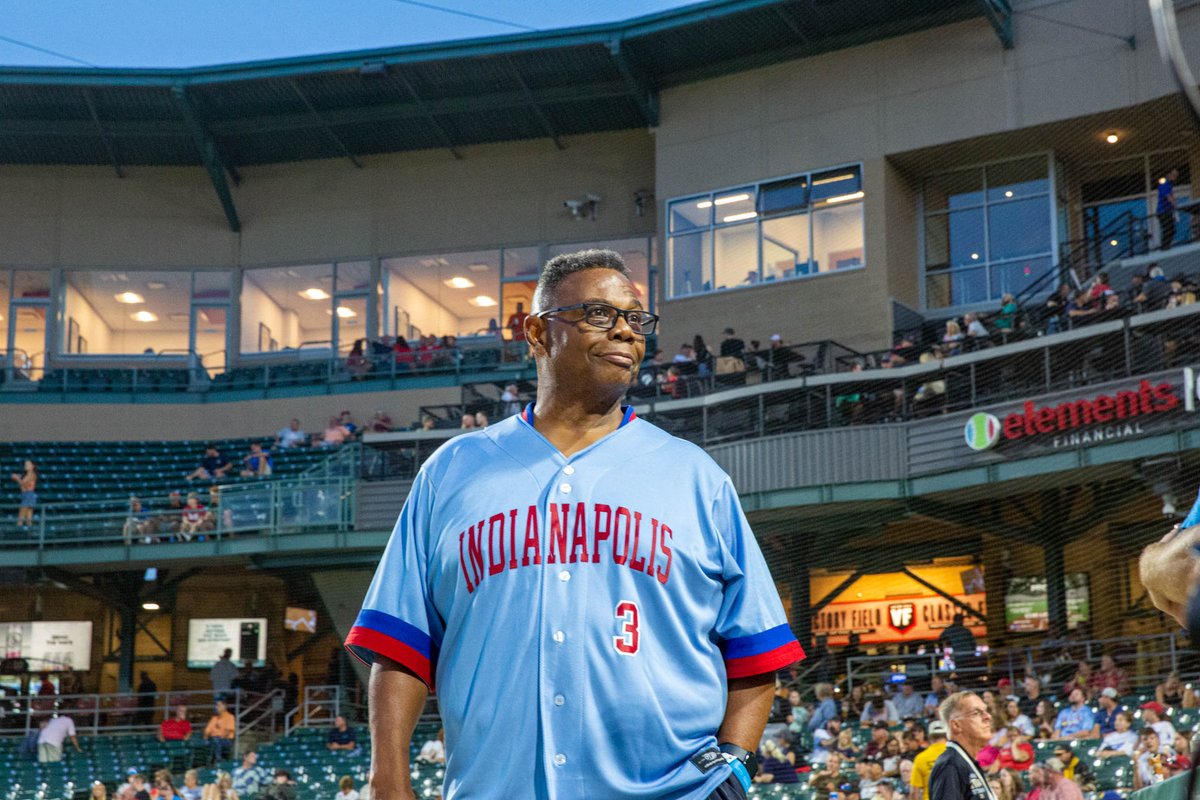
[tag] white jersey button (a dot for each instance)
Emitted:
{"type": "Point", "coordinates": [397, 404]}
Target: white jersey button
{"type": "Point", "coordinates": [559, 699]}
{"type": "Point", "coordinates": [559, 759]}
{"type": "Point", "coordinates": [560, 637]}
{"type": "Point", "coordinates": [564, 576]}
{"type": "Point", "coordinates": [568, 470]}
{"type": "Point", "coordinates": [565, 488]}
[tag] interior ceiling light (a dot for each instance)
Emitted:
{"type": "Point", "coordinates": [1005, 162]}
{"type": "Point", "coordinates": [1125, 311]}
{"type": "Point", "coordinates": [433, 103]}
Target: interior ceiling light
{"type": "Point", "coordinates": [459, 282]}
{"type": "Point", "coordinates": [482, 301]}
{"type": "Point", "coordinates": [313, 293]}
{"type": "Point", "coordinates": [842, 198]}
{"type": "Point", "coordinates": [833, 179]}
{"type": "Point", "coordinates": [478, 267]}
{"type": "Point", "coordinates": [131, 298]}
{"type": "Point", "coordinates": [1008, 193]}
{"type": "Point", "coordinates": [155, 285]}
{"type": "Point", "coordinates": [144, 316]}
{"type": "Point", "coordinates": [731, 198]}
{"type": "Point", "coordinates": [151, 606]}
{"type": "Point", "coordinates": [1112, 138]}
{"type": "Point", "coordinates": [704, 204]}
{"type": "Point", "coordinates": [740, 217]}
{"type": "Point", "coordinates": [345, 312]}
{"type": "Point", "coordinates": [974, 256]}
{"type": "Point", "coordinates": [1113, 242]}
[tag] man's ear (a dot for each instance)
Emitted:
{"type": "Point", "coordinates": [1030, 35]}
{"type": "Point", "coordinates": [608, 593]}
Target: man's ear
{"type": "Point", "coordinates": [536, 333]}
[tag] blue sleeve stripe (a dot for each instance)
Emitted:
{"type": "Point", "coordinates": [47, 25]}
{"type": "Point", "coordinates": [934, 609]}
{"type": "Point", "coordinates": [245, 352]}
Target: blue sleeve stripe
{"type": "Point", "coordinates": [757, 643]}
{"type": "Point", "coordinates": [398, 629]}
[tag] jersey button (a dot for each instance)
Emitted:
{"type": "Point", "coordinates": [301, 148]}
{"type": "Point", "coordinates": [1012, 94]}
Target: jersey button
{"type": "Point", "coordinates": [565, 488]}
{"type": "Point", "coordinates": [559, 699]}
{"type": "Point", "coordinates": [564, 576]}
{"type": "Point", "coordinates": [560, 637]}
{"type": "Point", "coordinates": [559, 759]}
{"type": "Point", "coordinates": [568, 470]}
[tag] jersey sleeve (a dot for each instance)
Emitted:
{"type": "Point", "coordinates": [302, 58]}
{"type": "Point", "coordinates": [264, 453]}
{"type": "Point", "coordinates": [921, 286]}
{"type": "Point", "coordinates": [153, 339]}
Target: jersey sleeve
{"type": "Point", "coordinates": [398, 619]}
{"type": "Point", "coordinates": [752, 628]}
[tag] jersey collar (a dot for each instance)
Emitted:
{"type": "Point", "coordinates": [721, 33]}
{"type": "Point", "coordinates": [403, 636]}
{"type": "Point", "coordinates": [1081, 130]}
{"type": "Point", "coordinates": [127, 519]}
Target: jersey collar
{"type": "Point", "coordinates": [627, 416]}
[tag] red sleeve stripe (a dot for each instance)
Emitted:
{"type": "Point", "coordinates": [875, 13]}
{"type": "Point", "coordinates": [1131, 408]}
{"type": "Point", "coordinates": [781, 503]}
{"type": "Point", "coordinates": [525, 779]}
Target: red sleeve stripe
{"type": "Point", "coordinates": [372, 641]}
{"type": "Point", "coordinates": [770, 661]}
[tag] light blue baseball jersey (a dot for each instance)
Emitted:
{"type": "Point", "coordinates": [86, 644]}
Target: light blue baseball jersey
{"type": "Point", "coordinates": [579, 617]}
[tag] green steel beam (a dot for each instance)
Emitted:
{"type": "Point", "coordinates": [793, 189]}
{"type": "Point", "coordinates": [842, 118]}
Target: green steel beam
{"type": "Point", "coordinates": [109, 145]}
{"type": "Point", "coordinates": [323, 124]}
{"type": "Point", "coordinates": [209, 156]}
{"type": "Point", "coordinates": [431, 119]}
{"type": "Point", "coordinates": [542, 119]}
{"type": "Point", "coordinates": [1000, 14]}
{"type": "Point", "coordinates": [639, 86]}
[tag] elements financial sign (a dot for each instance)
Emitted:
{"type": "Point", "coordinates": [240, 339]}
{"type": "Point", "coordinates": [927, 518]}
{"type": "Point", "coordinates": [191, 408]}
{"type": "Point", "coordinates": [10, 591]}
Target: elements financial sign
{"type": "Point", "coordinates": [1074, 422]}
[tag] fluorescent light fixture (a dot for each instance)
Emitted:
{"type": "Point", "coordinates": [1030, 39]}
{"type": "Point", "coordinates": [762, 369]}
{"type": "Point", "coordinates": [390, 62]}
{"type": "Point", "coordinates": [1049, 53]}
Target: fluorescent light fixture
{"type": "Point", "coordinates": [834, 179]}
{"type": "Point", "coordinates": [704, 204]}
{"type": "Point", "coordinates": [843, 198]}
{"type": "Point", "coordinates": [132, 298]}
{"type": "Point", "coordinates": [144, 316]}
{"type": "Point", "coordinates": [459, 282]}
{"type": "Point", "coordinates": [731, 198]}
{"type": "Point", "coordinates": [478, 267]}
{"type": "Point", "coordinates": [740, 217]}
{"type": "Point", "coordinates": [345, 312]}
{"type": "Point", "coordinates": [1112, 138]}
{"type": "Point", "coordinates": [155, 285]}
{"type": "Point", "coordinates": [314, 293]}
{"type": "Point", "coordinates": [482, 301]}
{"type": "Point", "coordinates": [151, 606]}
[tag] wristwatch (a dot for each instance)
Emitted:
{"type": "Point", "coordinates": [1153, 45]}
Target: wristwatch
{"type": "Point", "coordinates": [742, 761]}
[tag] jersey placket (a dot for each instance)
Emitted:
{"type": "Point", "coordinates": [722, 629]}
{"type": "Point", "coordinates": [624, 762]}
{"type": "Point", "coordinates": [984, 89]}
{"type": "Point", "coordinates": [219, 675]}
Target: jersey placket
{"type": "Point", "coordinates": [563, 663]}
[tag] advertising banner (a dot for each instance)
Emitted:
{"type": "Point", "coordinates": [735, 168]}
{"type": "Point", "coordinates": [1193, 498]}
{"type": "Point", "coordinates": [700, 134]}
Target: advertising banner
{"type": "Point", "coordinates": [209, 638]}
{"type": "Point", "coordinates": [49, 646]}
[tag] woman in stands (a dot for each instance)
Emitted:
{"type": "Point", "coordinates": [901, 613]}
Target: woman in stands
{"type": "Point", "coordinates": [28, 485]}
{"type": "Point", "coordinates": [346, 786]}
{"type": "Point", "coordinates": [99, 791]}
{"type": "Point", "coordinates": [221, 789]}
{"type": "Point", "coordinates": [1174, 694]}
{"type": "Point", "coordinates": [191, 789]}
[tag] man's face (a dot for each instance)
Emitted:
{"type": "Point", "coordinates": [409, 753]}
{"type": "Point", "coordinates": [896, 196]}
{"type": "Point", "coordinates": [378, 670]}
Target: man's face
{"type": "Point", "coordinates": [880, 735]}
{"type": "Point", "coordinates": [907, 690]}
{"type": "Point", "coordinates": [220, 706]}
{"type": "Point", "coordinates": [581, 355]}
{"type": "Point", "coordinates": [180, 712]}
{"type": "Point", "coordinates": [971, 723]}
{"type": "Point", "coordinates": [1031, 686]}
{"type": "Point", "coordinates": [1063, 755]}
{"type": "Point", "coordinates": [1106, 662]}
{"type": "Point", "coordinates": [1076, 697]}
{"type": "Point", "coordinates": [1121, 723]}
{"type": "Point", "coordinates": [340, 723]}
{"type": "Point", "coordinates": [295, 424]}
{"type": "Point", "coordinates": [1151, 739]}
{"type": "Point", "coordinates": [936, 684]}
{"type": "Point", "coordinates": [834, 763]}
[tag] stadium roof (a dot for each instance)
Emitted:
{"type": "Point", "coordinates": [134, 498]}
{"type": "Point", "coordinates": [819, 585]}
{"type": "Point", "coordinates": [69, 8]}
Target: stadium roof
{"type": "Point", "coordinates": [443, 95]}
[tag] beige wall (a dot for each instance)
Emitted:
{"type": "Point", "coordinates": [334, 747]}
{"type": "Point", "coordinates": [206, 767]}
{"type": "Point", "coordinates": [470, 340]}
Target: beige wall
{"type": "Point", "coordinates": [122, 422]}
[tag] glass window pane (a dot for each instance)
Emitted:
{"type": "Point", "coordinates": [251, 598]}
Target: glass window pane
{"type": "Point", "coordinates": [353, 276]}
{"type": "Point", "coordinates": [954, 239]}
{"type": "Point", "coordinates": [736, 256]}
{"type": "Point", "coordinates": [1113, 180]}
{"type": "Point", "coordinates": [351, 323]}
{"type": "Point", "coordinates": [211, 285]}
{"type": "Point", "coordinates": [691, 214]}
{"type": "Point", "coordinates": [734, 205]}
{"type": "Point", "coordinates": [954, 190]}
{"type": "Point", "coordinates": [836, 183]}
{"type": "Point", "coordinates": [777, 197]}
{"type": "Point", "coordinates": [31, 283]}
{"type": "Point", "coordinates": [287, 305]}
{"type": "Point", "coordinates": [785, 247]}
{"type": "Point", "coordinates": [5, 287]}
{"type": "Point", "coordinates": [1016, 179]}
{"type": "Point", "coordinates": [126, 312]}
{"type": "Point", "coordinates": [1019, 228]}
{"type": "Point", "coordinates": [522, 263]}
{"type": "Point", "coordinates": [690, 270]}
{"type": "Point", "coordinates": [453, 293]}
{"type": "Point", "coordinates": [211, 322]}
{"type": "Point", "coordinates": [1016, 276]}
{"type": "Point", "coordinates": [633, 251]}
{"type": "Point", "coordinates": [838, 237]}
{"type": "Point", "coordinates": [1162, 163]}
{"type": "Point", "coordinates": [953, 288]}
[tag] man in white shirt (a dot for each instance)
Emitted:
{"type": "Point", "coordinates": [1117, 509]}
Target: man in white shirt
{"type": "Point", "coordinates": [291, 436]}
{"type": "Point", "coordinates": [434, 750]}
{"type": "Point", "coordinates": [51, 737]}
{"type": "Point", "coordinates": [1152, 716]}
{"type": "Point", "coordinates": [1121, 741]}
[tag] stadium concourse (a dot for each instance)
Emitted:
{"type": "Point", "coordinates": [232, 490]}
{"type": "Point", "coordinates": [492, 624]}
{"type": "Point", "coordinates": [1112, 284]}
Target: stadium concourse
{"type": "Point", "coordinates": [927, 277]}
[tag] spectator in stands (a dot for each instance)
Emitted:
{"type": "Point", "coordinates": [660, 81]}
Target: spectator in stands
{"type": "Point", "coordinates": [213, 466]}
{"type": "Point", "coordinates": [1100, 287]}
{"type": "Point", "coordinates": [879, 738]}
{"type": "Point", "coordinates": [341, 736]}
{"type": "Point", "coordinates": [953, 338]}
{"type": "Point", "coordinates": [1148, 757]}
{"type": "Point", "coordinates": [671, 383]}
{"type": "Point", "coordinates": [975, 328]}
{"type": "Point", "coordinates": [1152, 716]}
{"type": "Point", "coordinates": [168, 521]}
{"type": "Point", "coordinates": [283, 788]}
{"type": "Point", "coordinates": [778, 762]}
{"type": "Point", "coordinates": [402, 353]}
{"type": "Point", "coordinates": [51, 737]}
{"type": "Point", "coordinates": [1049, 775]}
{"type": "Point", "coordinates": [27, 482]}
{"type": "Point", "coordinates": [731, 345]}
{"type": "Point", "coordinates": [1076, 721]}
{"type": "Point", "coordinates": [1172, 693]}
{"type": "Point", "coordinates": [1165, 209]}
{"type": "Point", "coordinates": [334, 435]}
{"type": "Point", "coordinates": [1122, 740]}
{"type": "Point", "coordinates": [1082, 680]}
{"type": "Point", "coordinates": [1081, 309]}
{"type": "Point", "coordinates": [257, 463]}
{"type": "Point", "coordinates": [191, 789]}
{"type": "Point", "coordinates": [220, 789]}
{"type": "Point", "coordinates": [346, 789]}
{"type": "Point", "coordinates": [290, 436]}
{"type": "Point", "coordinates": [893, 754]}
{"type": "Point", "coordinates": [219, 731]}
{"type": "Point", "coordinates": [870, 773]}
{"type": "Point", "coordinates": [357, 363]}
{"type": "Point", "coordinates": [138, 790]}
{"type": "Point", "coordinates": [845, 744]}
{"type": "Point", "coordinates": [1033, 693]}
{"type": "Point", "coordinates": [1016, 717]}
{"type": "Point", "coordinates": [686, 355]}
{"type": "Point", "coordinates": [137, 524]}
{"type": "Point", "coordinates": [1106, 717]}
{"type": "Point", "coordinates": [1155, 291]}
{"type": "Point", "coordinates": [146, 691]}
{"type": "Point", "coordinates": [879, 711]}
{"type": "Point", "coordinates": [1044, 719]}
{"type": "Point", "coordinates": [703, 356]}
{"type": "Point", "coordinates": [826, 709]}
{"type": "Point", "coordinates": [468, 422]}
{"type": "Point", "coordinates": [1016, 753]}
{"type": "Point", "coordinates": [937, 693]}
{"type": "Point", "coordinates": [958, 637]}
{"type": "Point", "coordinates": [908, 704]}
{"type": "Point", "coordinates": [192, 518]}
{"type": "Point", "coordinates": [1006, 318]}
{"type": "Point", "coordinates": [222, 674]}
{"type": "Point", "coordinates": [433, 751]}
{"type": "Point", "coordinates": [1073, 768]}
{"type": "Point", "coordinates": [249, 778]}
{"type": "Point", "coordinates": [832, 769]}
{"type": "Point", "coordinates": [923, 763]}
{"type": "Point", "coordinates": [510, 399]}
{"type": "Point", "coordinates": [176, 728]}
{"type": "Point", "coordinates": [516, 324]}
{"type": "Point", "coordinates": [380, 422]}
{"type": "Point", "coordinates": [481, 419]}
{"type": "Point", "coordinates": [1109, 676]}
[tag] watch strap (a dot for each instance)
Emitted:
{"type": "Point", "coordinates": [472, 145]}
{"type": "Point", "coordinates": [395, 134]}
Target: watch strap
{"type": "Point", "coordinates": [743, 762]}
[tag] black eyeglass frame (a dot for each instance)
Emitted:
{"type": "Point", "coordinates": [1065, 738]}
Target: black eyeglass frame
{"type": "Point", "coordinates": [618, 313]}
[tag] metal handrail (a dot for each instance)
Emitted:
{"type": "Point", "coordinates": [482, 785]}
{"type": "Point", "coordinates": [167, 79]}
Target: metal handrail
{"type": "Point", "coordinates": [266, 709]}
{"type": "Point", "coordinates": [105, 712]}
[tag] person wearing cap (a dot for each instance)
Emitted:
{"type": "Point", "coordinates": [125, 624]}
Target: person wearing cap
{"type": "Point", "coordinates": [909, 704]}
{"type": "Point", "coordinates": [1122, 740]}
{"type": "Point", "coordinates": [923, 763]}
{"type": "Point", "coordinates": [879, 738]}
{"type": "Point", "coordinates": [1106, 717]}
{"type": "Point", "coordinates": [1152, 716]}
{"type": "Point", "coordinates": [1149, 746]}
{"type": "Point", "coordinates": [956, 775]}
{"type": "Point", "coordinates": [1049, 776]}
{"type": "Point", "coordinates": [1076, 721]}
{"type": "Point", "coordinates": [1072, 768]}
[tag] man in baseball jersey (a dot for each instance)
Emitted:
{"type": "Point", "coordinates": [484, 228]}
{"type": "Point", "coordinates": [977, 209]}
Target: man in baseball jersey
{"type": "Point", "coordinates": [581, 588]}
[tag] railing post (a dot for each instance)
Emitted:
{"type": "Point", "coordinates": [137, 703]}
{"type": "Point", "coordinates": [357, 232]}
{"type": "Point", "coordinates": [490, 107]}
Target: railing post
{"type": "Point", "coordinates": [1127, 339]}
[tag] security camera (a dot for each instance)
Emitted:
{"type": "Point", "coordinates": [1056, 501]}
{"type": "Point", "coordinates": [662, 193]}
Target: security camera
{"type": "Point", "coordinates": [583, 208]}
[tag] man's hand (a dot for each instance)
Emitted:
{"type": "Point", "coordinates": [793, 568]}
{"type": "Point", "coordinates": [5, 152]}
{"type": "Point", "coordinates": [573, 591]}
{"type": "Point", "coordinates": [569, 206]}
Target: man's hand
{"type": "Point", "coordinates": [1170, 572]}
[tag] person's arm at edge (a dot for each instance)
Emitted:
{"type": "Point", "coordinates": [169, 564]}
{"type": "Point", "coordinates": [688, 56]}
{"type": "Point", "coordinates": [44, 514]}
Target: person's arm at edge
{"type": "Point", "coordinates": [747, 706]}
{"type": "Point", "coordinates": [397, 698]}
{"type": "Point", "coordinates": [1164, 569]}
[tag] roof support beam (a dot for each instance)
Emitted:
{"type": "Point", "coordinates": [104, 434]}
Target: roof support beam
{"type": "Point", "coordinates": [1000, 14]}
{"type": "Point", "coordinates": [639, 88]}
{"type": "Point", "coordinates": [438, 130]}
{"type": "Point", "coordinates": [209, 157]}
{"type": "Point", "coordinates": [333, 137]}
{"type": "Point", "coordinates": [544, 120]}
{"type": "Point", "coordinates": [109, 145]}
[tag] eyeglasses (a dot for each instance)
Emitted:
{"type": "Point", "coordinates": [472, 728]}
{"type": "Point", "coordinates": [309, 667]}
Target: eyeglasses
{"type": "Point", "coordinates": [979, 713]}
{"type": "Point", "coordinates": [604, 317]}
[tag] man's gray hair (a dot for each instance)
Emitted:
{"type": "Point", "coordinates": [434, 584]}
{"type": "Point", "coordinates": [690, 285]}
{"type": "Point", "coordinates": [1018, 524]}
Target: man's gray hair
{"type": "Point", "coordinates": [823, 690]}
{"type": "Point", "coordinates": [950, 706]}
{"type": "Point", "coordinates": [559, 268]}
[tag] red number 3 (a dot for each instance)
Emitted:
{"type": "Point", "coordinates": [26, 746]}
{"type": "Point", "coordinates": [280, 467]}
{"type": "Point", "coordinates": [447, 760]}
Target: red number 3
{"type": "Point", "coordinates": [627, 643]}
